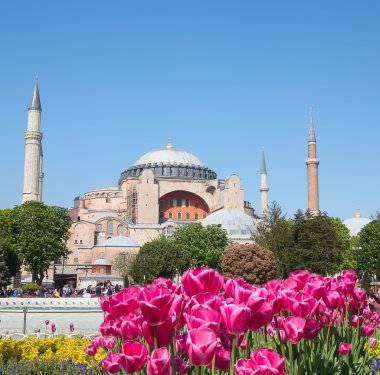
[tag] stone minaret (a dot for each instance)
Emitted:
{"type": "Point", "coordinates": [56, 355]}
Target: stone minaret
{"type": "Point", "coordinates": [33, 175]}
{"type": "Point", "coordinates": [312, 170]}
{"type": "Point", "coordinates": [264, 187]}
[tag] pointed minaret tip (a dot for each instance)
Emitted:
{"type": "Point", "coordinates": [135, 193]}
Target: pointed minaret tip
{"type": "Point", "coordinates": [263, 164]}
{"type": "Point", "coordinates": [311, 128]}
{"type": "Point", "coordinates": [169, 146]}
{"type": "Point", "coordinates": [35, 102]}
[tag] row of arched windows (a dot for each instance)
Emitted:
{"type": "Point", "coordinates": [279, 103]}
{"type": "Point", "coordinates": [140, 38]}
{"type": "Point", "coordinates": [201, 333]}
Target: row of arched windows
{"type": "Point", "coordinates": [99, 228]}
{"type": "Point", "coordinates": [180, 216]}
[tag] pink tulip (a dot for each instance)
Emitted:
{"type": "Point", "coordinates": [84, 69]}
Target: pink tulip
{"type": "Point", "coordinates": [123, 303]}
{"type": "Point", "coordinates": [267, 361]}
{"type": "Point", "coordinates": [47, 322]}
{"type": "Point", "coordinates": [333, 299]}
{"type": "Point", "coordinates": [312, 329]}
{"type": "Point", "coordinates": [315, 287]}
{"type": "Point", "coordinates": [207, 299]}
{"type": "Point", "coordinates": [91, 351]}
{"type": "Point", "coordinates": [71, 326]}
{"type": "Point", "coordinates": [111, 363]}
{"type": "Point", "coordinates": [201, 280]}
{"type": "Point", "coordinates": [367, 330]}
{"type": "Point", "coordinates": [356, 321]}
{"type": "Point", "coordinates": [53, 328]}
{"type": "Point", "coordinates": [277, 301]}
{"type": "Point", "coordinates": [201, 346]}
{"type": "Point", "coordinates": [237, 289]}
{"type": "Point", "coordinates": [235, 318]}
{"type": "Point", "coordinates": [359, 300]}
{"type": "Point", "coordinates": [300, 277]}
{"type": "Point", "coordinates": [202, 316]}
{"type": "Point", "coordinates": [302, 305]}
{"type": "Point", "coordinates": [110, 343]}
{"type": "Point", "coordinates": [155, 304]}
{"type": "Point", "coordinates": [344, 348]}
{"type": "Point", "coordinates": [163, 331]}
{"type": "Point", "coordinates": [244, 367]}
{"type": "Point", "coordinates": [134, 356]}
{"type": "Point", "coordinates": [372, 342]}
{"type": "Point", "coordinates": [261, 317]}
{"type": "Point", "coordinates": [159, 362]}
{"type": "Point", "coordinates": [98, 342]}
{"type": "Point", "coordinates": [222, 359]}
{"type": "Point", "coordinates": [181, 366]}
{"type": "Point", "coordinates": [294, 328]}
{"type": "Point", "coordinates": [130, 327]}
{"type": "Point", "coordinates": [180, 342]}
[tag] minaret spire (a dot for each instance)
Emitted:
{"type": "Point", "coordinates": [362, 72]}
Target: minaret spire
{"type": "Point", "coordinates": [33, 175]}
{"type": "Point", "coordinates": [312, 163]}
{"type": "Point", "coordinates": [35, 102]}
{"type": "Point", "coordinates": [264, 186]}
{"type": "Point", "coordinates": [311, 128]}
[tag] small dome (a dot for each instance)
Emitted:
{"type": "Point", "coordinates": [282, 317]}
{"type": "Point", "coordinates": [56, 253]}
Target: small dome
{"type": "Point", "coordinates": [120, 241]}
{"type": "Point", "coordinates": [101, 262]}
{"type": "Point", "coordinates": [237, 224]}
{"type": "Point", "coordinates": [356, 224]}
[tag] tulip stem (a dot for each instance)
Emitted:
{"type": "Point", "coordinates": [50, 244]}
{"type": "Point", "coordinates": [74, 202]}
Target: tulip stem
{"type": "Point", "coordinates": [155, 337]}
{"type": "Point", "coordinates": [233, 355]}
{"type": "Point", "coordinates": [213, 365]}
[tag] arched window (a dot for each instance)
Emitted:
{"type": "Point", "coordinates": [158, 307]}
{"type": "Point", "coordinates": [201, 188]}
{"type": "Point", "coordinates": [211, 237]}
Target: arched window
{"type": "Point", "coordinates": [196, 216]}
{"type": "Point", "coordinates": [170, 215]}
{"type": "Point", "coordinates": [109, 226]}
{"type": "Point", "coordinates": [179, 215]}
{"type": "Point", "coordinates": [187, 215]}
{"type": "Point", "coordinates": [120, 230]}
{"type": "Point", "coordinates": [204, 216]}
{"type": "Point", "coordinates": [171, 202]}
{"type": "Point", "coordinates": [99, 228]}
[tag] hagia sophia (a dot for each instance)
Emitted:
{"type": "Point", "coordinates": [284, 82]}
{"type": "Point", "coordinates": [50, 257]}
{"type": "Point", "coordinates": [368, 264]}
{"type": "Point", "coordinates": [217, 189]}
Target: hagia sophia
{"type": "Point", "coordinates": [161, 191]}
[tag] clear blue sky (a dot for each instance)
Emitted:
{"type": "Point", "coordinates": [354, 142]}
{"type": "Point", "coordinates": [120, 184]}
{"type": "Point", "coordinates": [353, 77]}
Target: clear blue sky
{"type": "Point", "coordinates": [224, 78]}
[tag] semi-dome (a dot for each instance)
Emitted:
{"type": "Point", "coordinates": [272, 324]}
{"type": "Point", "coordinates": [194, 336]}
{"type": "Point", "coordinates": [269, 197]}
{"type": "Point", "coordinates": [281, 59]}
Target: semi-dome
{"type": "Point", "coordinates": [239, 226]}
{"type": "Point", "coordinates": [120, 241]}
{"type": "Point", "coordinates": [170, 163]}
{"type": "Point", "coordinates": [355, 224]}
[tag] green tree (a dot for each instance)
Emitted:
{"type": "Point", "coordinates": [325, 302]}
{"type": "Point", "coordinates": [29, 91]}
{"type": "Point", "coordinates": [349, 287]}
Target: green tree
{"type": "Point", "coordinates": [316, 245]}
{"type": "Point", "coordinates": [348, 252]}
{"type": "Point", "coordinates": [9, 263]}
{"type": "Point", "coordinates": [39, 234]}
{"type": "Point", "coordinates": [160, 257]}
{"type": "Point", "coordinates": [275, 233]}
{"type": "Point", "coordinates": [203, 246]}
{"type": "Point", "coordinates": [254, 263]}
{"type": "Point", "coordinates": [368, 255]}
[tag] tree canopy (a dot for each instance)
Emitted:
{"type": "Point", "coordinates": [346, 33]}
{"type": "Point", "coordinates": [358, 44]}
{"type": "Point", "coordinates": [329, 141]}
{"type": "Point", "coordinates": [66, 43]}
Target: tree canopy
{"type": "Point", "coordinates": [39, 234]}
{"type": "Point", "coordinates": [275, 233]}
{"type": "Point", "coordinates": [368, 254]}
{"type": "Point", "coordinates": [9, 262]}
{"type": "Point", "coordinates": [202, 246]}
{"type": "Point", "coordinates": [160, 257]}
{"type": "Point", "coordinates": [254, 263]}
{"type": "Point", "coordinates": [316, 245]}
{"type": "Point", "coordinates": [313, 242]}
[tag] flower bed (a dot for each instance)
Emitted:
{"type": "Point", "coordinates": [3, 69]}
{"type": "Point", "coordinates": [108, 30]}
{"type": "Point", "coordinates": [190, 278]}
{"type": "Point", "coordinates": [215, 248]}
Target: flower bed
{"type": "Point", "coordinates": [306, 324]}
{"type": "Point", "coordinates": [58, 355]}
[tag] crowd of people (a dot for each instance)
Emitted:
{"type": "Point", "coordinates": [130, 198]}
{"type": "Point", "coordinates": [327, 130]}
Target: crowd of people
{"type": "Point", "coordinates": [99, 289]}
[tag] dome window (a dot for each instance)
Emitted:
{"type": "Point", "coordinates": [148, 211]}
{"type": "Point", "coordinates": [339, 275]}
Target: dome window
{"type": "Point", "coordinates": [196, 216]}
{"type": "Point", "coordinates": [187, 215]}
{"type": "Point", "coordinates": [170, 215]}
{"type": "Point", "coordinates": [109, 226]}
{"type": "Point", "coordinates": [179, 215]}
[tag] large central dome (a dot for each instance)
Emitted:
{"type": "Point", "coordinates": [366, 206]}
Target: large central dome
{"type": "Point", "coordinates": [170, 163]}
{"type": "Point", "coordinates": [169, 156]}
